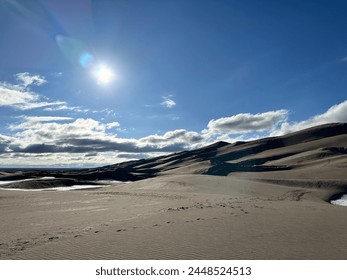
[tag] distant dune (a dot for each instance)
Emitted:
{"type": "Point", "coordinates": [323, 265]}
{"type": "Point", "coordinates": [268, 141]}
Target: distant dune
{"type": "Point", "coordinates": [303, 152]}
{"type": "Point", "coordinates": [263, 199]}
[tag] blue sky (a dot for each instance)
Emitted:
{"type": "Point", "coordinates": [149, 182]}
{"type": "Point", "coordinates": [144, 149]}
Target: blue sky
{"type": "Point", "coordinates": [89, 83]}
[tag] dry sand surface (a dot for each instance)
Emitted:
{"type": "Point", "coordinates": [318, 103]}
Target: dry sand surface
{"type": "Point", "coordinates": [270, 200]}
{"type": "Point", "coordinates": [173, 217]}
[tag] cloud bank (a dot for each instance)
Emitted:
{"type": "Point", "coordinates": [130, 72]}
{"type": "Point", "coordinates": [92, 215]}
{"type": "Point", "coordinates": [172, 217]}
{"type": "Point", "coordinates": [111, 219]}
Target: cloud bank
{"type": "Point", "coordinates": [84, 141]}
{"type": "Point", "coordinates": [49, 139]}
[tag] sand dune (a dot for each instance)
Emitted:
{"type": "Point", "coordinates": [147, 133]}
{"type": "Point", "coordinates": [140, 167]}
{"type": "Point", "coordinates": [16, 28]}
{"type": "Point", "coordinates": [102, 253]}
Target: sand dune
{"type": "Point", "coordinates": [265, 199]}
{"type": "Point", "coordinates": [322, 145]}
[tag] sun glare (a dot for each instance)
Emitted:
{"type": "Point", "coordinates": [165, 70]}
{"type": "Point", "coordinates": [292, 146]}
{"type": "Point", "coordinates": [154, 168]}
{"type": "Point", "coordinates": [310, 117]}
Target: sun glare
{"type": "Point", "coordinates": [104, 75]}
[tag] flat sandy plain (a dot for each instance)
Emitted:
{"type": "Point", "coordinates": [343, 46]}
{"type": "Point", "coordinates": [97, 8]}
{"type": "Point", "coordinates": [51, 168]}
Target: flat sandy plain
{"type": "Point", "coordinates": [238, 202]}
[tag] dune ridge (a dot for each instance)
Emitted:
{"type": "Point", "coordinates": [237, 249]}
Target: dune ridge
{"type": "Point", "coordinates": [324, 145]}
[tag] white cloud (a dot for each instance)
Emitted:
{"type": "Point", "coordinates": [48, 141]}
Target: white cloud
{"type": "Point", "coordinates": [29, 122]}
{"type": "Point", "coordinates": [26, 79]}
{"type": "Point", "coordinates": [46, 135]}
{"type": "Point", "coordinates": [5, 142]}
{"type": "Point", "coordinates": [246, 122]}
{"type": "Point", "coordinates": [61, 159]}
{"type": "Point", "coordinates": [62, 106]}
{"type": "Point", "coordinates": [344, 59]}
{"type": "Point", "coordinates": [176, 137]}
{"type": "Point", "coordinates": [19, 97]}
{"type": "Point", "coordinates": [108, 112]}
{"type": "Point", "coordinates": [35, 105]}
{"type": "Point", "coordinates": [168, 102]}
{"type": "Point", "coordinates": [52, 130]}
{"type": "Point", "coordinates": [45, 118]}
{"type": "Point", "coordinates": [11, 96]}
{"type": "Point", "coordinates": [112, 125]}
{"type": "Point", "coordinates": [335, 114]}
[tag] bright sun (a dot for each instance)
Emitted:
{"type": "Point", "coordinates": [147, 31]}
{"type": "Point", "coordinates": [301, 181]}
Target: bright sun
{"type": "Point", "coordinates": [104, 75]}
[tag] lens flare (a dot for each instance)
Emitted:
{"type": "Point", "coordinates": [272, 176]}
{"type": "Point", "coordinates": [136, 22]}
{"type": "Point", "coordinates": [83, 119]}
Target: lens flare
{"type": "Point", "coordinates": [86, 60]}
{"type": "Point", "coordinates": [75, 51]}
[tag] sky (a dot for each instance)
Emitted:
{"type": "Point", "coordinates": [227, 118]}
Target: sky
{"type": "Point", "coordinates": [88, 83]}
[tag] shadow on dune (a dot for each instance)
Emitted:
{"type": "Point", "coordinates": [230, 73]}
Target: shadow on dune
{"type": "Point", "coordinates": [325, 145]}
{"type": "Point", "coordinates": [224, 169]}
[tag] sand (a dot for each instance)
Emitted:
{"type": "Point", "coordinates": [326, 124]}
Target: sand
{"type": "Point", "coordinates": [173, 217]}
{"type": "Point", "coordinates": [266, 199]}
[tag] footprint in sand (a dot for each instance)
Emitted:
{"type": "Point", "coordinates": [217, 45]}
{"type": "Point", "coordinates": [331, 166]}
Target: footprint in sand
{"type": "Point", "coordinates": [53, 237]}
